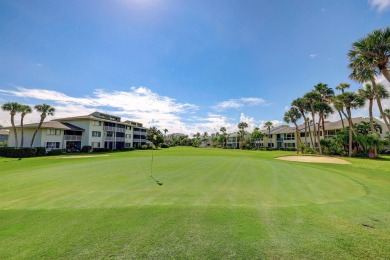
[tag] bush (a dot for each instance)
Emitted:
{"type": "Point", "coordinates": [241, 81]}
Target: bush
{"type": "Point", "coordinates": [56, 152]}
{"type": "Point", "coordinates": [86, 149]}
{"type": "Point", "coordinates": [13, 152]}
{"type": "Point", "coordinates": [310, 150]}
{"type": "Point", "coordinates": [143, 147]}
{"type": "Point", "coordinates": [127, 149]}
{"type": "Point", "coordinates": [100, 150]}
{"type": "Point", "coordinates": [164, 145]}
{"type": "Point", "coordinates": [41, 151]}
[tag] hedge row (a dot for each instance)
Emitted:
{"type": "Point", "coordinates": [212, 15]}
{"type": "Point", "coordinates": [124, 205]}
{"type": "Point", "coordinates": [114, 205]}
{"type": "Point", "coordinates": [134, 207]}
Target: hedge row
{"type": "Point", "coordinates": [13, 152]}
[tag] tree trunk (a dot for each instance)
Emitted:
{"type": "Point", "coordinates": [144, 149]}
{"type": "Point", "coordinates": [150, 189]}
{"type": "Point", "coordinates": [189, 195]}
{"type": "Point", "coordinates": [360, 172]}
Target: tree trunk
{"type": "Point", "coordinates": [372, 124]}
{"type": "Point", "coordinates": [305, 136]}
{"type": "Point", "coordinates": [14, 128]}
{"type": "Point", "coordinates": [341, 117]}
{"type": "Point", "coordinates": [311, 136]}
{"type": "Point", "coordinates": [378, 100]}
{"type": "Point", "coordinates": [316, 137]}
{"type": "Point", "coordinates": [297, 138]}
{"type": "Point", "coordinates": [22, 129]}
{"type": "Point", "coordinates": [323, 126]}
{"type": "Point", "coordinates": [350, 132]}
{"type": "Point", "coordinates": [36, 130]}
{"type": "Point", "coordinates": [386, 73]}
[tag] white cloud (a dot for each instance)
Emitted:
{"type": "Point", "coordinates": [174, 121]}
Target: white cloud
{"type": "Point", "coordinates": [313, 55]}
{"type": "Point", "coordinates": [139, 104]}
{"type": "Point", "coordinates": [379, 5]}
{"type": "Point", "coordinates": [238, 103]}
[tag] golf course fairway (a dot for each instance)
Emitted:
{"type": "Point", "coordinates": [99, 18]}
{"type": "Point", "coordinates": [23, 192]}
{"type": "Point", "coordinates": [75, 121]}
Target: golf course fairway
{"type": "Point", "coordinates": [213, 204]}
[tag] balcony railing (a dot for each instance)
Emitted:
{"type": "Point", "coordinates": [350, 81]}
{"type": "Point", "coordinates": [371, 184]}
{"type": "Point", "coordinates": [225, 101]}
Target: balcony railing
{"type": "Point", "coordinates": [72, 137]}
{"type": "Point", "coordinates": [120, 139]}
{"type": "Point", "coordinates": [109, 128]}
{"type": "Point", "coordinates": [139, 140]}
{"type": "Point", "coordinates": [120, 130]}
{"type": "Point", "coordinates": [109, 138]}
{"type": "Point", "coordinates": [280, 139]}
{"type": "Point", "coordinates": [139, 133]}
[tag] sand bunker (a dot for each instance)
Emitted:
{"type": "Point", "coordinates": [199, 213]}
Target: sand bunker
{"type": "Point", "coordinates": [313, 159]}
{"type": "Point", "coordinates": [81, 156]}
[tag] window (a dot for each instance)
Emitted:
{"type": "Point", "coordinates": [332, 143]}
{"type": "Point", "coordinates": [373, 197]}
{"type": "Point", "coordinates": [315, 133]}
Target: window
{"type": "Point", "coordinates": [127, 145]}
{"type": "Point", "coordinates": [128, 135]}
{"type": "Point", "coordinates": [96, 134]}
{"type": "Point", "coordinates": [110, 134]}
{"type": "Point", "coordinates": [128, 127]}
{"type": "Point", "coordinates": [53, 145]}
{"type": "Point", "coordinates": [98, 123]}
{"type": "Point", "coordinates": [290, 136]}
{"type": "Point", "coordinates": [53, 132]}
{"type": "Point", "coordinates": [95, 144]}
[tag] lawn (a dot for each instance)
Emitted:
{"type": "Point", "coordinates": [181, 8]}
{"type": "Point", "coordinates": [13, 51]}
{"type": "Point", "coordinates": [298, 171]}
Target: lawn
{"type": "Point", "coordinates": [214, 204]}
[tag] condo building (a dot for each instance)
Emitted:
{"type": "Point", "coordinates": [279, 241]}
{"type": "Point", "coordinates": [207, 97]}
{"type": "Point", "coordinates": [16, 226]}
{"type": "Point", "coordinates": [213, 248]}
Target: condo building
{"type": "Point", "coordinates": [98, 130]}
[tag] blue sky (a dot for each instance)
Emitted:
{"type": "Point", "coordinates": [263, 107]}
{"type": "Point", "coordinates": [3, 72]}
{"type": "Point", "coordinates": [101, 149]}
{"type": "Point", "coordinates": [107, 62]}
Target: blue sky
{"type": "Point", "coordinates": [186, 66]}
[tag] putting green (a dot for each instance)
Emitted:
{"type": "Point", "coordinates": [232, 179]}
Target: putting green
{"type": "Point", "coordinates": [118, 182]}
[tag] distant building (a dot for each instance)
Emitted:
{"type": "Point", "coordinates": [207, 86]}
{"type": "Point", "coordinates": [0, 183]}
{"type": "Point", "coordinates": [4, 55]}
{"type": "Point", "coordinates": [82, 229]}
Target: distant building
{"type": "Point", "coordinates": [98, 130]}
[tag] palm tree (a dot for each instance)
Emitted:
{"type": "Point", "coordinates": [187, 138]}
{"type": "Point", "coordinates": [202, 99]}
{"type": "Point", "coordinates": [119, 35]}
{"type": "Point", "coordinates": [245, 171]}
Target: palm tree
{"type": "Point", "coordinates": [256, 136]}
{"type": "Point", "coordinates": [350, 101]}
{"type": "Point", "coordinates": [292, 116]}
{"type": "Point", "coordinates": [24, 109]}
{"type": "Point", "coordinates": [326, 95]}
{"type": "Point", "coordinates": [45, 110]}
{"type": "Point", "coordinates": [302, 105]}
{"type": "Point", "coordinates": [269, 125]}
{"type": "Point", "coordinates": [13, 108]}
{"type": "Point", "coordinates": [364, 69]}
{"type": "Point", "coordinates": [387, 113]}
{"type": "Point", "coordinates": [241, 133]}
{"type": "Point", "coordinates": [374, 49]}
{"type": "Point", "coordinates": [205, 135]}
{"type": "Point", "coordinates": [312, 98]}
{"type": "Point", "coordinates": [223, 130]}
{"type": "Point", "coordinates": [165, 132]}
{"type": "Point", "coordinates": [368, 93]}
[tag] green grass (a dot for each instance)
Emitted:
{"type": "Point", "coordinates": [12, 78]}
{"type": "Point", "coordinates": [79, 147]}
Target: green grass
{"type": "Point", "coordinates": [214, 204]}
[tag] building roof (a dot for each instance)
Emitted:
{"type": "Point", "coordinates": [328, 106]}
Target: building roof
{"type": "Point", "coordinates": [95, 116]}
{"type": "Point", "coordinates": [51, 125]}
{"type": "Point", "coordinates": [4, 132]}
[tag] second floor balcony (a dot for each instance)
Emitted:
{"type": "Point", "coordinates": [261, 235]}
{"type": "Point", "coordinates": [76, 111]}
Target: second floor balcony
{"type": "Point", "coordinates": [72, 137]}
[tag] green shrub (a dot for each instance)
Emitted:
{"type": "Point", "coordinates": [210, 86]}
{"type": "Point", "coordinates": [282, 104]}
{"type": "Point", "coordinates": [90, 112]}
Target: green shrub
{"type": "Point", "coordinates": [127, 149]}
{"type": "Point", "coordinates": [100, 150]}
{"type": "Point", "coordinates": [56, 152]}
{"type": "Point", "coordinates": [144, 147]}
{"type": "Point", "coordinates": [86, 149]}
{"type": "Point", "coordinates": [41, 151]}
{"type": "Point", "coordinates": [164, 145]}
{"type": "Point", "coordinates": [14, 152]}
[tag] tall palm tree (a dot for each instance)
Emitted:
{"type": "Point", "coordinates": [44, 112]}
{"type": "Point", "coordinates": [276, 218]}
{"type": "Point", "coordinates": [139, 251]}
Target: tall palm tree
{"type": "Point", "coordinates": [292, 116]}
{"type": "Point", "coordinates": [13, 108]}
{"type": "Point", "coordinates": [368, 93]}
{"type": "Point", "coordinates": [165, 132]}
{"type": "Point", "coordinates": [223, 130]}
{"type": "Point", "coordinates": [241, 133]}
{"type": "Point", "coordinates": [24, 110]}
{"type": "Point", "coordinates": [313, 98]}
{"type": "Point", "coordinates": [364, 70]}
{"type": "Point", "coordinates": [269, 125]}
{"type": "Point", "coordinates": [374, 49]}
{"type": "Point", "coordinates": [326, 95]}
{"type": "Point", "coordinates": [350, 101]}
{"type": "Point", "coordinates": [387, 113]}
{"type": "Point", "coordinates": [302, 105]}
{"type": "Point", "coordinates": [45, 110]}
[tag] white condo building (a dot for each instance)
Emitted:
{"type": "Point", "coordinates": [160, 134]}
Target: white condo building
{"type": "Point", "coordinates": [98, 130]}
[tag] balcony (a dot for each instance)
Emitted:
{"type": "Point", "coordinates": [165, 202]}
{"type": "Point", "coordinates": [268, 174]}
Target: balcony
{"type": "Point", "coordinates": [139, 133]}
{"type": "Point", "coordinates": [109, 128]}
{"type": "Point", "coordinates": [109, 138]}
{"type": "Point", "coordinates": [120, 130]}
{"type": "Point", "coordinates": [72, 137]}
{"type": "Point", "coordinates": [280, 139]}
{"type": "Point", "coordinates": [120, 139]}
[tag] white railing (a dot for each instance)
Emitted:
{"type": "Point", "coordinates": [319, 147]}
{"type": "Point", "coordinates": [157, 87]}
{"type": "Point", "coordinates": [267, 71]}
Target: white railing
{"type": "Point", "coordinates": [109, 128]}
{"type": "Point", "coordinates": [72, 137]}
{"type": "Point", "coordinates": [120, 139]}
{"type": "Point", "coordinates": [139, 140]}
{"type": "Point", "coordinates": [108, 138]}
{"type": "Point", "coordinates": [139, 133]}
{"type": "Point", "coordinates": [121, 130]}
